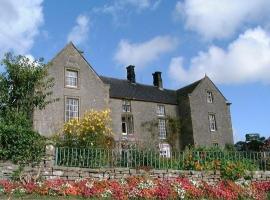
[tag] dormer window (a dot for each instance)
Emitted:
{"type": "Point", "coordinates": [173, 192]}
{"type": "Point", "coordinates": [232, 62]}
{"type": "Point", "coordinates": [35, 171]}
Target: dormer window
{"type": "Point", "coordinates": [210, 97]}
{"type": "Point", "coordinates": [71, 78]}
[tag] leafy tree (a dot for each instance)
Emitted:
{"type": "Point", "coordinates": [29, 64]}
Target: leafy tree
{"type": "Point", "coordinates": [24, 85]}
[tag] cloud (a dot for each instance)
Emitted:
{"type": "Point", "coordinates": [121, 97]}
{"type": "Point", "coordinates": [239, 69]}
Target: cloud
{"type": "Point", "coordinates": [19, 24]}
{"type": "Point", "coordinates": [119, 9]}
{"type": "Point", "coordinates": [79, 32]}
{"type": "Point", "coordinates": [141, 54]}
{"type": "Point", "coordinates": [220, 19]}
{"type": "Point", "coordinates": [247, 59]}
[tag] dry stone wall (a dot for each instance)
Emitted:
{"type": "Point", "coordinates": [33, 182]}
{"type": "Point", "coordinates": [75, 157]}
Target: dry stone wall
{"type": "Point", "coordinates": [48, 170]}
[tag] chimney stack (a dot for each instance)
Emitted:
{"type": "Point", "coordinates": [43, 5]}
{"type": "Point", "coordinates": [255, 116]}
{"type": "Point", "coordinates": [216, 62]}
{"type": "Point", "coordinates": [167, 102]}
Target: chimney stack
{"type": "Point", "coordinates": [131, 74]}
{"type": "Point", "coordinates": [157, 80]}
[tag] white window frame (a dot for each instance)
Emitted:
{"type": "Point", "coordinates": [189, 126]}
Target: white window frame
{"type": "Point", "coordinates": [210, 97]}
{"type": "Point", "coordinates": [125, 124]}
{"type": "Point", "coordinates": [126, 106]}
{"type": "Point", "coordinates": [164, 150]}
{"type": "Point", "coordinates": [161, 110]}
{"type": "Point", "coordinates": [162, 128]}
{"type": "Point", "coordinates": [71, 78]}
{"type": "Point", "coordinates": [72, 108]}
{"type": "Point", "coordinates": [212, 122]}
{"type": "Point", "coordinates": [129, 124]}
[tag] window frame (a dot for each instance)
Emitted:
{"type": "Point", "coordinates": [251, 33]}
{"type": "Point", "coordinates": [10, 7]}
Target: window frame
{"type": "Point", "coordinates": [65, 108]}
{"type": "Point", "coordinates": [126, 103]}
{"type": "Point", "coordinates": [210, 121]}
{"type": "Point", "coordinates": [209, 96]}
{"type": "Point", "coordinates": [165, 150]}
{"type": "Point", "coordinates": [129, 124]}
{"type": "Point", "coordinates": [162, 129]}
{"type": "Point", "coordinates": [68, 69]}
{"type": "Point", "coordinates": [160, 114]}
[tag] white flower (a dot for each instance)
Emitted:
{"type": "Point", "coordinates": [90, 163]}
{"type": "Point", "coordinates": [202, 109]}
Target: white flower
{"type": "Point", "coordinates": [89, 184]}
{"type": "Point", "coordinates": [146, 185]}
{"type": "Point", "coordinates": [107, 193]}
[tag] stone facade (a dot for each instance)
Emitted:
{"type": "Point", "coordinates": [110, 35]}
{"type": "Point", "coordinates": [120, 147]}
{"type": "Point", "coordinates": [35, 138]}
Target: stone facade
{"type": "Point", "coordinates": [91, 92]}
{"type": "Point", "coordinates": [200, 110]}
{"type": "Point", "coordinates": [143, 113]}
{"type": "Point", "coordinates": [94, 93]}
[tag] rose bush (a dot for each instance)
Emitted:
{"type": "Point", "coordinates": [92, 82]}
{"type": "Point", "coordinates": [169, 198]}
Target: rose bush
{"type": "Point", "coordinates": [140, 188]}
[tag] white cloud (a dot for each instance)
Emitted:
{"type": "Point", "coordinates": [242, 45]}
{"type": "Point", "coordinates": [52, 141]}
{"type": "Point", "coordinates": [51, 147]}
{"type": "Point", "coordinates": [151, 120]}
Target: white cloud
{"type": "Point", "coordinates": [141, 54]}
{"type": "Point", "coordinates": [247, 59]}
{"type": "Point", "coordinates": [119, 9]}
{"type": "Point", "coordinates": [220, 19]}
{"type": "Point", "coordinates": [79, 32]}
{"type": "Point", "coordinates": [19, 24]}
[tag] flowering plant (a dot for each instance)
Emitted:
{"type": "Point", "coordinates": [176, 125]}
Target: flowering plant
{"type": "Point", "coordinates": [141, 188]}
{"type": "Point", "coordinates": [92, 130]}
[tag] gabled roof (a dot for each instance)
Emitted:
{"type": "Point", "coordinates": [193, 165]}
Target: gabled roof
{"type": "Point", "coordinates": [182, 92]}
{"type": "Point", "coordinates": [120, 88]}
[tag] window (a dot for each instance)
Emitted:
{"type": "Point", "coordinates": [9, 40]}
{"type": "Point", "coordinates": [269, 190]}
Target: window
{"type": "Point", "coordinates": [212, 122]}
{"type": "Point", "coordinates": [72, 78]}
{"type": "Point", "coordinates": [162, 128]}
{"type": "Point", "coordinates": [161, 110]}
{"type": "Point", "coordinates": [165, 150]}
{"type": "Point", "coordinates": [215, 144]}
{"type": "Point", "coordinates": [209, 97]}
{"type": "Point", "coordinates": [127, 124]}
{"type": "Point", "coordinates": [72, 109]}
{"type": "Point", "coordinates": [126, 106]}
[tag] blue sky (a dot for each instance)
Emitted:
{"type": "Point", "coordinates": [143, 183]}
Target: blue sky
{"type": "Point", "coordinates": [229, 40]}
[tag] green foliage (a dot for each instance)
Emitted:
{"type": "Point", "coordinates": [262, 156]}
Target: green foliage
{"type": "Point", "coordinates": [20, 144]}
{"type": "Point", "coordinates": [234, 170]}
{"type": "Point", "coordinates": [24, 85]}
{"type": "Point", "coordinates": [174, 130]}
{"type": "Point", "coordinates": [15, 176]}
{"type": "Point", "coordinates": [91, 131]}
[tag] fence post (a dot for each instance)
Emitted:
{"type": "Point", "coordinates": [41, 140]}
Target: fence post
{"type": "Point", "coordinates": [50, 155]}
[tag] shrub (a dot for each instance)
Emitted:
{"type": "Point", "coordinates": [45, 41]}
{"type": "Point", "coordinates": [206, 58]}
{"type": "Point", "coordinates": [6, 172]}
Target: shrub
{"type": "Point", "coordinates": [20, 144]}
{"type": "Point", "coordinates": [91, 131]}
{"type": "Point", "coordinates": [234, 170]}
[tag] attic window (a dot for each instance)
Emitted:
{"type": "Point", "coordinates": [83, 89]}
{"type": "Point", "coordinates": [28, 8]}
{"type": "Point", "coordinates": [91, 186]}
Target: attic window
{"type": "Point", "coordinates": [210, 97]}
{"type": "Point", "coordinates": [71, 78]}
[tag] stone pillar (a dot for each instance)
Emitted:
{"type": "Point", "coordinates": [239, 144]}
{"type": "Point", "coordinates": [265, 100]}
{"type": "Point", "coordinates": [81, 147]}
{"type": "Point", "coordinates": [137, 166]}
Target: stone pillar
{"type": "Point", "coordinates": [50, 155]}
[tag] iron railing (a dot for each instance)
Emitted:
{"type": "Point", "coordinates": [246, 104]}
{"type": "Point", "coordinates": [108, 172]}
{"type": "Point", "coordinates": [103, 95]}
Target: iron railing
{"type": "Point", "coordinates": [133, 158]}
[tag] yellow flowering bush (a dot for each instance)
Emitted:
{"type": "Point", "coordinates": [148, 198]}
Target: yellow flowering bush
{"type": "Point", "coordinates": [92, 130]}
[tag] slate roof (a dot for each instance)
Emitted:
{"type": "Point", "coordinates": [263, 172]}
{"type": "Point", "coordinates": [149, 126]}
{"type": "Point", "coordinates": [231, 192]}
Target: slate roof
{"type": "Point", "coordinates": [182, 92]}
{"type": "Point", "coordinates": [120, 88]}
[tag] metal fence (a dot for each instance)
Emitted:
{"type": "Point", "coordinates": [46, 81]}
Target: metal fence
{"type": "Point", "coordinates": [134, 158]}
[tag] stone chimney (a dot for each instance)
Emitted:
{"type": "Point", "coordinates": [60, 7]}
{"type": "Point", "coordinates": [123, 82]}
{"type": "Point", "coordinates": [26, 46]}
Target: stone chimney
{"type": "Point", "coordinates": [131, 74]}
{"type": "Point", "coordinates": [157, 80]}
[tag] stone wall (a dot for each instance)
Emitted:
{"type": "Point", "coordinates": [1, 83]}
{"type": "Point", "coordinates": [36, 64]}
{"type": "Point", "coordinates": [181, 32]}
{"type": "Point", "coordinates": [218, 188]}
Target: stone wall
{"type": "Point", "coordinates": [48, 170]}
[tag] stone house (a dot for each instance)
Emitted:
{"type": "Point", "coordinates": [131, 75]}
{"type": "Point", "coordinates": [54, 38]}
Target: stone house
{"type": "Point", "coordinates": [204, 113]}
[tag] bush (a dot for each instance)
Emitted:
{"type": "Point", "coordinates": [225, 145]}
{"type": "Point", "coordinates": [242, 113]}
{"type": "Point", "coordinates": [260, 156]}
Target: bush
{"type": "Point", "coordinates": [20, 144]}
{"type": "Point", "coordinates": [91, 131]}
{"type": "Point", "coordinates": [233, 170]}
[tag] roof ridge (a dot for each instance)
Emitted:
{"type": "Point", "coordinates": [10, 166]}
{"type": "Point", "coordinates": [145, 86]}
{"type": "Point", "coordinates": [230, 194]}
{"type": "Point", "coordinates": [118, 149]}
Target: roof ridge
{"type": "Point", "coordinates": [142, 84]}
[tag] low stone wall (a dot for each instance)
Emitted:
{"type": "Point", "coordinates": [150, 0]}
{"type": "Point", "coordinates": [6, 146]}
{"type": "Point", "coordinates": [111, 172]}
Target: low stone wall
{"type": "Point", "coordinates": [48, 170]}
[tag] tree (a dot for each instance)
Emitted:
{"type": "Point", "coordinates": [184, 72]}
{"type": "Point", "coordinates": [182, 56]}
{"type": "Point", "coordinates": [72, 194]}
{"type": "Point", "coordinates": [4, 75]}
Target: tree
{"type": "Point", "coordinates": [24, 86]}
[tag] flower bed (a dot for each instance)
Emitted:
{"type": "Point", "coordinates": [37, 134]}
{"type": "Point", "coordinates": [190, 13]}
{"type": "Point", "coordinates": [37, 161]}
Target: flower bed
{"type": "Point", "coordinates": [139, 188]}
